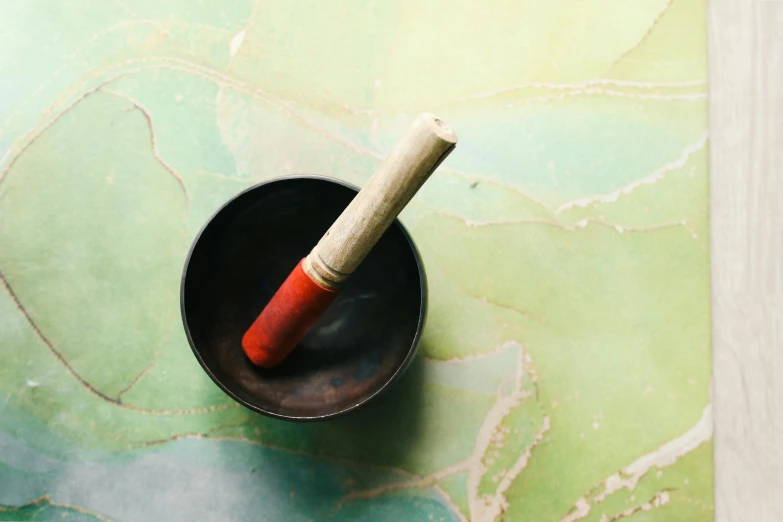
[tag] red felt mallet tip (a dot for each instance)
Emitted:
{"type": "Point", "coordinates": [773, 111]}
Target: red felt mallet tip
{"type": "Point", "coordinates": [293, 310]}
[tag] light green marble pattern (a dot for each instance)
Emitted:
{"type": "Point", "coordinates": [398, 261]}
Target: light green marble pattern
{"type": "Point", "coordinates": [565, 366]}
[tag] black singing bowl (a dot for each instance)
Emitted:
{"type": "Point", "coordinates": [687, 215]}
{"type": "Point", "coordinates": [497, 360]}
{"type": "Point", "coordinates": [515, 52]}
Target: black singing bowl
{"type": "Point", "coordinates": [363, 342]}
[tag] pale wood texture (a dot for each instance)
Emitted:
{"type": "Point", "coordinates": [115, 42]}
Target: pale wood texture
{"type": "Point", "coordinates": [746, 162]}
{"type": "Point", "coordinates": [427, 142]}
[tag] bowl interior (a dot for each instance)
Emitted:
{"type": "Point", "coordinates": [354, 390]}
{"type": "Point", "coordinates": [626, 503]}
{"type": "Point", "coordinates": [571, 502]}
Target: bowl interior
{"type": "Point", "coordinates": [241, 258]}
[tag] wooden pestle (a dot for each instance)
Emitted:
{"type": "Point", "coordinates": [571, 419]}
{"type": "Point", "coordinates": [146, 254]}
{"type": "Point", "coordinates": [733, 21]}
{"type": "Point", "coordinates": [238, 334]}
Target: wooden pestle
{"type": "Point", "coordinates": [315, 281]}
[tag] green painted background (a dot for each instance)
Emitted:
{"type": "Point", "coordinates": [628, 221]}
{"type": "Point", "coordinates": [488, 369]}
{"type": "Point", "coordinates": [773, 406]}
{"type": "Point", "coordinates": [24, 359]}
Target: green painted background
{"type": "Point", "coordinates": [564, 371]}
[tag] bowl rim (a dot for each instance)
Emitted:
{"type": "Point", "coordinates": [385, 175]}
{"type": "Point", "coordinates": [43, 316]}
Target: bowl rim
{"type": "Point", "coordinates": [400, 369]}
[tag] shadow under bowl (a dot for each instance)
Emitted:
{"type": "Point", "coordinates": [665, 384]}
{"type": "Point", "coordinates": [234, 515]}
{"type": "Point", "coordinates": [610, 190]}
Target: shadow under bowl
{"type": "Point", "coordinates": [363, 342]}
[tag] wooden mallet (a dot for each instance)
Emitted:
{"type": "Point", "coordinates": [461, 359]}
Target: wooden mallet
{"type": "Point", "coordinates": [314, 283]}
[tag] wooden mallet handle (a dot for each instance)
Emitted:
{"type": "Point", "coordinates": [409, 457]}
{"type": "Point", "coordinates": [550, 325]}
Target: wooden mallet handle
{"type": "Point", "coordinates": [372, 211]}
{"type": "Point", "coordinates": [313, 285]}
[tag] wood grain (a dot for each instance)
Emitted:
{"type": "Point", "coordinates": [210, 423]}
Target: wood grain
{"type": "Point", "coordinates": [348, 241]}
{"type": "Point", "coordinates": [746, 162]}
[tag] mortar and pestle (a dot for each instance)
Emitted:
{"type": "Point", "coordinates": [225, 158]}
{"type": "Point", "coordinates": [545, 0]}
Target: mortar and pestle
{"type": "Point", "coordinates": [269, 309]}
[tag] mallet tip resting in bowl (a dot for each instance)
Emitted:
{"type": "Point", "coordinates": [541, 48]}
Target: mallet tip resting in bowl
{"type": "Point", "coordinates": [315, 281]}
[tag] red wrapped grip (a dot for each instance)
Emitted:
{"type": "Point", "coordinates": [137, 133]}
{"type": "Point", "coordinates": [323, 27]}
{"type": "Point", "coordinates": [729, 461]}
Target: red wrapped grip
{"type": "Point", "coordinates": [290, 314]}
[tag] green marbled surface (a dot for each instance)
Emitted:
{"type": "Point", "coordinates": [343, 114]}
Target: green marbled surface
{"type": "Point", "coordinates": [564, 369]}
